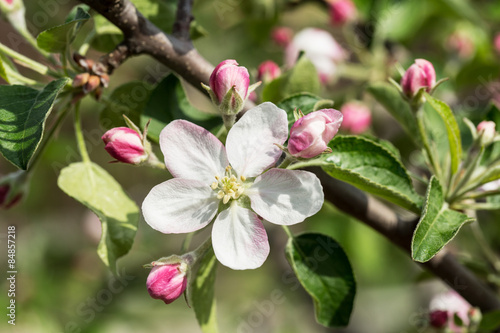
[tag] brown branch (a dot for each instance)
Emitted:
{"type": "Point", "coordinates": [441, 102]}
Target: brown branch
{"type": "Point", "coordinates": [183, 20]}
{"type": "Point", "coordinates": [143, 37]}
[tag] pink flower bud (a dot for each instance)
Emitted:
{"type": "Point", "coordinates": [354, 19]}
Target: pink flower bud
{"type": "Point", "coordinates": [167, 282]}
{"type": "Point", "coordinates": [125, 145]}
{"type": "Point", "coordinates": [462, 44]}
{"type": "Point", "coordinates": [357, 117]}
{"type": "Point", "coordinates": [496, 42]}
{"type": "Point", "coordinates": [452, 303]}
{"type": "Point", "coordinates": [310, 135]}
{"type": "Point", "coordinates": [320, 48]}
{"type": "Point", "coordinates": [438, 318]}
{"type": "Point", "coordinates": [486, 131]}
{"type": "Point", "coordinates": [268, 71]}
{"type": "Point", "coordinates": [226, 75]}
{"type": "Point", "coordinates": [420, 74]}
{"type": "Point", "coordinates": [342, 11]}
{"type": "Point", "coordinates": [282, 36]}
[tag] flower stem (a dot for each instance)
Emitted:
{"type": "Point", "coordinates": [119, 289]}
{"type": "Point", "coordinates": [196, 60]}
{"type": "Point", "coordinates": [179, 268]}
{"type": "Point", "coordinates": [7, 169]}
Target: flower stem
{"type": "Point", "coordinates": [186, 242]}
{"type": "Point", "coordinates": [79, 135]}
{"type": "Point", "coordinates": [228, 120]}
{"type": "Point", "coordinates": [288, 232]}
{"type": "Point", "coordinates": [27, 62]}
{"type": "Point", "coordinates": [286, 162]}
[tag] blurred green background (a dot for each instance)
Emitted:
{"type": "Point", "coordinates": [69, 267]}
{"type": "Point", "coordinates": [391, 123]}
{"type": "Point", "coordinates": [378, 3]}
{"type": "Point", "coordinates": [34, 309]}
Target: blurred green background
{"type": "Point", "coordinates": [62, 286]}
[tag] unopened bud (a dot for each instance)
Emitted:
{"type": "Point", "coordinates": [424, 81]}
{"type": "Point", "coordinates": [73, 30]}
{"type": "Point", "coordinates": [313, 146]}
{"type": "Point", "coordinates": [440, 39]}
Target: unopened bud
{"type": "Point", "coordinates": [486, 132]}
{"type": "Point", "coordinates": [93, 82]}
{"type": "Point", "coordinates": [125, 144]}
{"type": "Point", "coordinates": [310, 134]}
{"type": "Point", "coordinates": [342, 11]}
{"type": "Point", "coordinates": [167, 282]}
{"type": "Point", "coordinates": [420, 75]}
{"type": "Point", "coordinates": [80, 79]}
{"type": "Point", "coordinates": [268, 71]}
{"type": "Point", "coordinates": [357, 117]}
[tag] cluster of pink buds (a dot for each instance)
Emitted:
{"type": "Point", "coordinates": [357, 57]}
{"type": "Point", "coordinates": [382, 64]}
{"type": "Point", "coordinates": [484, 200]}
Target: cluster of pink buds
{"type": "Point", "coordinates": [92, 79]}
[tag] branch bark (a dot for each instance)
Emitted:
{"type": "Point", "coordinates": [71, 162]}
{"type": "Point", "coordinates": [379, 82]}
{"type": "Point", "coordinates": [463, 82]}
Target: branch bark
{"type": "Point", "coordinates": [143, 37]}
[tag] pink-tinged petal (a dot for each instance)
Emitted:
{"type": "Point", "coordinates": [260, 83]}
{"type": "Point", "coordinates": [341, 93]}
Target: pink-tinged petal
{"type": "Point", "coordinates": [192, 152]}
{"type": "Point", "coordinates": [286, 197]}
{"type": "Point", "coordinates": [180, 206]}
{"type": "Point", "coordinates": [251, 141]}
{"type": "Point", "coordinates": [229, 62]}
{"type": "Point", "coordinates": [239, 238]}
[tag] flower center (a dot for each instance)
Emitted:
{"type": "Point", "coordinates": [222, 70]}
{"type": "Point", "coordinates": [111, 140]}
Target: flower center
{"type": "Point", "coordinates": [228, 187]}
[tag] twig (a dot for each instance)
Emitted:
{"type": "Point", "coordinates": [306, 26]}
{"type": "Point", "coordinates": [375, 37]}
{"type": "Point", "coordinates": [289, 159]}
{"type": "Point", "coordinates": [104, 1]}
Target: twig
{"type": "Point", "coordinates": [183, 20]}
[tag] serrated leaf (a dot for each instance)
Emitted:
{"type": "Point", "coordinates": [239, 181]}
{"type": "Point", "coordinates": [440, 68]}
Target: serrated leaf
{"type": "Point", "coordinates": [437, 226]}
{"type": "Point", "coordinates": [323, 269]}
{"type": "Point", "coordinates": [370, 167]}
{"type": "Point", "coordinates": [129, 99]}
{"type": "Point", "coordinates": [57, 39]}
{"type": "Point", "coordinates": [391, 99]}
{"type": "Point", "coordinates": [92, 186]}
{"type": "Point", "coordinates": [452, 130]}
{"type": "Point", "coordinates": [168, 102]}
{"type": "Point", "coordinates": [23, 112]}
{"type": "Point", "coordinates": [201, 292]}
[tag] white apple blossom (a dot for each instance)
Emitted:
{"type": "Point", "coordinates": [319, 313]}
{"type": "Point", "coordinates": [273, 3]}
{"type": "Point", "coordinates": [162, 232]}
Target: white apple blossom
{"type": "Point", "coordinates": [231, 185]}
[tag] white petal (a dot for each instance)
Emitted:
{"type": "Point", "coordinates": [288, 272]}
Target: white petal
{"type": "Point", "coordinates": [180, 206]}
{"type": "Point", "coordinates": [192, 152]}
{"type": "Point", "coordinates": [239, 238]}
{"type": "Point", "coordinates": [286, 197]}
{"type": "Point", "coordinates": [250, 142]}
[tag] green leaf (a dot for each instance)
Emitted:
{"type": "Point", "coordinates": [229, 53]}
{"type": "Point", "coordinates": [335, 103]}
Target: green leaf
{"type": "Point", "coordinates": [370, 167]}
{"type": "Point", "coordinates": [201, 292]}
{"type": "Point", "coordinates": [393, 102]}
{"type": "Point", "coordinates": [169, 102]}
{"type": "Point", "coordinates": [305, 102]}
{"type": "Point", "coordinates": [303, 77]}
{"type": "Point", "coordinates": [57, 39]}
{"type": "Point", "coordinates": [92, 186]}
{"type": "Point", "coordinates": [271, 92]}
{"type": "Point", "coordinates": [437, 226]}
{"type": "Point", "coordinates": [129, 99]}
{"type": "Point", "coordinates": [10, 74]}
{"type": "Point", "coordinates": [23, 112]}
{"type": "Point", "coordinates": [490, 321]}
{"type": "Point", "coordinates": [452, 130]}
{"type": "Point", "coordinates": [323, 269]}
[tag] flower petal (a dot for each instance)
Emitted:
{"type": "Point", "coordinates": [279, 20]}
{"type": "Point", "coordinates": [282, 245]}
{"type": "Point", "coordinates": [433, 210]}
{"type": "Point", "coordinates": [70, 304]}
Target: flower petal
{"type": "Point", "coordinates": [180, 206]}
{"type": "Point", "coordinates": [239, 238]}
{"type": "Point", "coordinates": [251, 141]}
{"type": "Point", "coordinates": [192, 152]}
{"type": "Point", "coordinates": [286, 197]}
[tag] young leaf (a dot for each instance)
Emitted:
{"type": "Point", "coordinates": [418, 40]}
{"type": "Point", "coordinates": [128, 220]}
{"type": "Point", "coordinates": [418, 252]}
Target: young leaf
{"type": "Point", "coordinates": [92, 186]}
{"type": "Point", "coordinates": [452, 130]}
{"type": "Point", "coordinates": [168, 102]}
{"type": "Point", "coordinates": [391, 99]}
{"type": "Point", "coordinates": [201, 292]}
{"type": "Point", "coordinates": [23, 111]}
{"type": "Point", "coordinates": [437, 226]}
{"type": "Point", "coordinates": [323, 269]}
{"type": "Point", "coordinates": [57, 39]}
{"type": "Point", "coordinates": [371, 167]}
{"type": "Point", "coordinates": [303, 77]}
{"type": "Point", "coordinates": [490, 321]}
{"type": "Point", "coordinates": [304, 102]}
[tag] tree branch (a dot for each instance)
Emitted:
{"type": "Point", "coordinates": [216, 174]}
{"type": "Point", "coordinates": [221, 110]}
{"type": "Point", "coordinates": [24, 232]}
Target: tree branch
{"type": "Point", "coordinates": [143, 37]}
{"type": "Point", "coordinates": [183, 20]}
